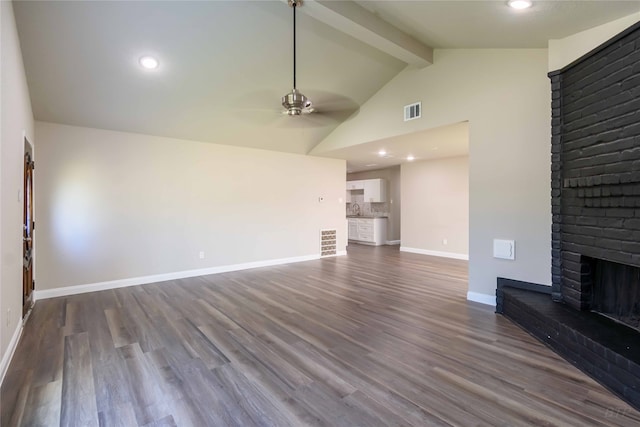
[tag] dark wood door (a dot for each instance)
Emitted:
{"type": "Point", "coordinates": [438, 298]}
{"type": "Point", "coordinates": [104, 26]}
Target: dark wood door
{"type": "Point", "coordinates": [27, 236]}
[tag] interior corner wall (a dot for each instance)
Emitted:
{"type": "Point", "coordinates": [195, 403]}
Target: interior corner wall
{"type": "Point", "coordinates": [392, 177]}
{"type": "Point", "coordinates": [435, 201]}
{"type": "Point", "coordinates": [16, 122]}
{"type": "Point", "coordinates": [114, 206]}
{"type": "Point", "coordinates": [563, 52]}
{"type": "Point", "coordinates": [505, 95]}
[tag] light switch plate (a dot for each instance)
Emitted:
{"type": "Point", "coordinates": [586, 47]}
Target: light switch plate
{"type": "Point", "coordinates": [504, 249]}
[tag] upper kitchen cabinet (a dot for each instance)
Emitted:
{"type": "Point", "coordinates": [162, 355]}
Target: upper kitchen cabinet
{"type": "Point", "coordinates": [355, 185]}
{"type": "Point", "coordinates": [375, 190]}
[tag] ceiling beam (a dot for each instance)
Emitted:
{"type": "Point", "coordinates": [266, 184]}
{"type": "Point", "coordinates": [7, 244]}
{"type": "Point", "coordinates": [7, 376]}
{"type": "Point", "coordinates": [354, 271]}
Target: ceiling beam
{"type": "Point", "coordinates": [358, 22]}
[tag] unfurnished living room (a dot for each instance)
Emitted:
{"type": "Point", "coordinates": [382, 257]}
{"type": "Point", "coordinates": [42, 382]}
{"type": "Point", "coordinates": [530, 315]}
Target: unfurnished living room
{"type": "Point", "coordinates": [320, 212]}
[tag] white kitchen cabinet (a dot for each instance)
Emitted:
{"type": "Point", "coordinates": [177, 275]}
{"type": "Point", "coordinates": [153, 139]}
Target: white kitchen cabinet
{"type": "Point", "coordinates": [355, 185]}
{"type": "Point", "coordinates": [353, 229]}
{"type": "Point", "coordinates": [371, 231]}
{"type": "Point", "coordinates": [375, 190]}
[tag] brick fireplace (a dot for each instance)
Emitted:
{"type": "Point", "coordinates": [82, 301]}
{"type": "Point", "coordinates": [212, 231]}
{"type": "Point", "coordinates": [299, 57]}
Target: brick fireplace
{"type": "Point", "coordinates": [595, 168]}
{"type": "Point", "coordinates": [591, 313]}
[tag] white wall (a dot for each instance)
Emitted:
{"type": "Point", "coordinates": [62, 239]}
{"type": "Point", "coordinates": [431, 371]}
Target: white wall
{"type": "Point", "coordinates": [564, 51]}
{"type": "Point", "coordinates": [435, 202]}
{"type": "Point", "coordinates": [113, 205]}
{"type": "Point", "coordinates": [505, 96]}
{"type": "Point", "coordinates": [392, 177]}
{"type": "Point", "coordinates": [16, 120]}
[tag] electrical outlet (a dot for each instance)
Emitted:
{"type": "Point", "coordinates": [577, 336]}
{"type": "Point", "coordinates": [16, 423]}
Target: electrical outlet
{"type": "Point", "coordinates": [201, 254]}
{"type": "Point", "coordinates": [444, 241]}
{"type": "Point", "coordinates": [8, 317]}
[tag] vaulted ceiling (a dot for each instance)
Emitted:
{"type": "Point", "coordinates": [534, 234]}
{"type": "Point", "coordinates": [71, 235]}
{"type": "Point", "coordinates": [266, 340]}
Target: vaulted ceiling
{"type": "Point", "coordinates": [224, 65]}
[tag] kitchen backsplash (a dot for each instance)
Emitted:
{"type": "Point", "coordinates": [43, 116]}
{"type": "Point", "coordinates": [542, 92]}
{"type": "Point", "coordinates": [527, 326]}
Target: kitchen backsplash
{"type": "Point", "coordinates": [359, 207]}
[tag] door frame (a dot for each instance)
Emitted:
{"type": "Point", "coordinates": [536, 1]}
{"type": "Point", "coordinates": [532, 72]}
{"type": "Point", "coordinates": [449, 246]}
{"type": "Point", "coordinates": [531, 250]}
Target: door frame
{"type": "Point", "coordinates": [28, 291]}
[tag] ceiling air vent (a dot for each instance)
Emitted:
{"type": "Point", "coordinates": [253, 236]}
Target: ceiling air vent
{"type": "Point", "coordinates": [413, 111]}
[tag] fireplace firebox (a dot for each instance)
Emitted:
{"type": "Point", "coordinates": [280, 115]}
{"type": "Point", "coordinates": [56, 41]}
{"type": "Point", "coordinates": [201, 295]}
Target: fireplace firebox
{"type": "Point", "coordinates": [615, 291]}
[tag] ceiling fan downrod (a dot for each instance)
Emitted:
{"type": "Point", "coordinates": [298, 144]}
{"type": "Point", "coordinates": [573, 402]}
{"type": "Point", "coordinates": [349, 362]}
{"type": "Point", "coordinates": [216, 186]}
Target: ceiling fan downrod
{"type": "Point", "coordinates": [295, 102]}
{"type": "Point", "coordinates": [294, 4]}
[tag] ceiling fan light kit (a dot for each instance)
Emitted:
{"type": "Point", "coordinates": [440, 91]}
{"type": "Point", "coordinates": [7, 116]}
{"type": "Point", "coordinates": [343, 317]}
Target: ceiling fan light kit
{"type": "Point", "coordinates": [295, 103]}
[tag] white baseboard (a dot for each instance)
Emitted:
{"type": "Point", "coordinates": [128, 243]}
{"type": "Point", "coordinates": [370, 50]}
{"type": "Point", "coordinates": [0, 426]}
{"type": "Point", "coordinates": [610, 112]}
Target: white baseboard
{"type": "Point", "coordinates": [392, 242]}
{"type": "Point", "coordinates": [134, 281]}
{"type": "Point", "coordinates": [434, 253]}
{"type": "Point", "coordinates": [8, 355]}
{"type": "Point", "coordinates": [482, 298]}
{"type": "Point", "coordinates": [338, 253]}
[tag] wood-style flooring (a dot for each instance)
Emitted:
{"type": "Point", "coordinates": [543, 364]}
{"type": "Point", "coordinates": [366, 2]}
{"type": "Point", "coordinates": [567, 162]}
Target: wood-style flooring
{"type": "Point", "coordinates": [375, 338]}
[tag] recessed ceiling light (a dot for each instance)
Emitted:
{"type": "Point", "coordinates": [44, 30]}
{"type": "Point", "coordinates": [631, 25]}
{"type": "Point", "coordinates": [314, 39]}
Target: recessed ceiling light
{"type": "Point", "coordinates": [382, 153]}
{"type": "Point", "coordinates": [149, 62]}
{"type": "Point", "coordinates": [520, 4]}
{"type": "Point", "coordinates": [410, 158]}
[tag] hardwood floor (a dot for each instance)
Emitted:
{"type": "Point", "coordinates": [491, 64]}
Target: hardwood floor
{"type": "Point", "coordinates": [376, 338]}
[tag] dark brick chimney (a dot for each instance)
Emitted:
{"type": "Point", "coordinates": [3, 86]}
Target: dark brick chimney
{"type": "Point", "coordinates": [595, 178]}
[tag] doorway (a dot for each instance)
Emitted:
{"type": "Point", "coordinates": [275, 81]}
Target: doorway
{"type": "Point", "coordinates": [27, 227]}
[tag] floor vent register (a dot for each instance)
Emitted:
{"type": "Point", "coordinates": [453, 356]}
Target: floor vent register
{"type": "Point", "coordinates": [328, 242]}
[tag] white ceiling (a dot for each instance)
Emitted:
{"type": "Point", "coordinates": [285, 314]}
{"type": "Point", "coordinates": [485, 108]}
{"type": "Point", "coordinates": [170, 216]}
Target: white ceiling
{"type": "Point", "coordinates": [459, 24]}
{"type": "Point", "coordinates": [225, 64]}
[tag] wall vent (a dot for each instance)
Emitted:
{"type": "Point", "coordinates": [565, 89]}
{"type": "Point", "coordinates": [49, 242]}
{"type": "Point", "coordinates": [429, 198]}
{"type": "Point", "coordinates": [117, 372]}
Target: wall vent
{"type": "Point", "coordinates": [328, 242]}
{"type": "Point", "coordinates": [413, 111]}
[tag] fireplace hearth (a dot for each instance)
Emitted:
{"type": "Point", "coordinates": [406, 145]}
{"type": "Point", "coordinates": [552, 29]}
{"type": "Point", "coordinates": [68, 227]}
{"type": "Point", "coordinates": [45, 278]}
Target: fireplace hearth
{"type": "Point", "coordinates": [605, 349]}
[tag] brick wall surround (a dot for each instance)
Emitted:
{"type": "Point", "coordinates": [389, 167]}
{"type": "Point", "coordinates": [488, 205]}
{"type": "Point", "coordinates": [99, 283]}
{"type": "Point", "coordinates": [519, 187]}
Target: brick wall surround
{"type": "Point", "coordinates": [595, 165]}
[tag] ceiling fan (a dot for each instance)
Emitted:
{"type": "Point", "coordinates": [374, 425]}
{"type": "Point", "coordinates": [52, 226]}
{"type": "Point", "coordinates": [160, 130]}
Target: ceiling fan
{"type": "Point", "coordinates": [328, 108]}
{"type": "Point", "coordinates": [294, 102]}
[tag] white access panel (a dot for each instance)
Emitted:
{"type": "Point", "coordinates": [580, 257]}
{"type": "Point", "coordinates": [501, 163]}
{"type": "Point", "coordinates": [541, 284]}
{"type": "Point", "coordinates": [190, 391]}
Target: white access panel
{"type": "Point", "coordinates": [504, 249]}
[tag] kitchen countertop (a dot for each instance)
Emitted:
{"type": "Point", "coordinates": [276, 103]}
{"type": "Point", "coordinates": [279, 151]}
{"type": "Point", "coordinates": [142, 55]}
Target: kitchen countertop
{"type": "Point", "coordinates": [366, 217]}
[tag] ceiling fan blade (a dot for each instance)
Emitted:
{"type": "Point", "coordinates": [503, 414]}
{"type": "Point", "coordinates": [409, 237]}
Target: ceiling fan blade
{"type": "Point", "coordinates": [328, 103]}
{"type": "Point", "coordinates": [305, 121]}
{"type": "Point", "coordinates": [328, 109]}
{"type": "Point", "coordinates": [338, 116]}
